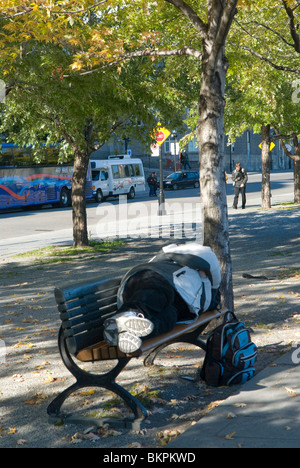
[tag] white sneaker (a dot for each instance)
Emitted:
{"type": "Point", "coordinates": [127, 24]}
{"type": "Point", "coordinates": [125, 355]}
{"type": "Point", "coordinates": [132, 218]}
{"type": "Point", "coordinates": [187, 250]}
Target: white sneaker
{"type": "Point", "coordinates": [125, 329]}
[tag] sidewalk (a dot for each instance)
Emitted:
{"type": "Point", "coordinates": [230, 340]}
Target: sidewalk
{"type": "Point", "coordinates": [264, 414]}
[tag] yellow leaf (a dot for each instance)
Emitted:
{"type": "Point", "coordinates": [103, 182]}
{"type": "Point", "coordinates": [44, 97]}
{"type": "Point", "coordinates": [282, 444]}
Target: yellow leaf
{"type": "Point", "coordinates": [87, 393]}
{"type": "Point", "coordinates": [12, 430]}
{"type": "Point", "coordinates": [230, 436]}
{"type": "Point", "coordinates": [291, 392]}
{"type": "Point", "coordinates": [76, 65]}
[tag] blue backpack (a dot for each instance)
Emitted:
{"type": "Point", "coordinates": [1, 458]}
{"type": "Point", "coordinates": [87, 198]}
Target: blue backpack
{"type": "Point", "coordinates": [230, 355]}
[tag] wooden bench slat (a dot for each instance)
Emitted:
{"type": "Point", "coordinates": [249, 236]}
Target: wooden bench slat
{"type": "Point", "coordinates": [83, 340]}
{"type": "Point", "coordinates": [88, 318]}
{"type": "Point", "coordinates": [80, 290]}
{"type": "Point", "coordinates": [75, 308]}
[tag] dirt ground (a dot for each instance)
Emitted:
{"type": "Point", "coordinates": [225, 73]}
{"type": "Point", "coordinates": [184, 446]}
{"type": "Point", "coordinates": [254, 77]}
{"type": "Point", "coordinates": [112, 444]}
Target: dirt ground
{"type": "Point", "coordinates": [32, 373]}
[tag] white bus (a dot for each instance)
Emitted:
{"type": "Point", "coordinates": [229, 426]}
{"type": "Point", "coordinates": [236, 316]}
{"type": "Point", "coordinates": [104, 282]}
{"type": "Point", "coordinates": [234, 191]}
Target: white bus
{"type": "Point", "coordinates": [116, 176]}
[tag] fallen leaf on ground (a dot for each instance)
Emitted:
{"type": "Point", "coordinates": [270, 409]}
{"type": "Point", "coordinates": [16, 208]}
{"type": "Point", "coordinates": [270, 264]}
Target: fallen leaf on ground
{"type": "Point", "coordinates": [291, 392]}
{"type": "Point", "coordinates": [21, 442]}
{"type": "Point", "coordinates": [166, 436]}
{"type": "Point", "coordinates": [230, 436]}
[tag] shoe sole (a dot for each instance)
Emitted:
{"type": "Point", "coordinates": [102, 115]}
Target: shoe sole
{"type": "Point", "coordinates": [115, 327]}
{"type": "Point", "coordinates": [128, 343]}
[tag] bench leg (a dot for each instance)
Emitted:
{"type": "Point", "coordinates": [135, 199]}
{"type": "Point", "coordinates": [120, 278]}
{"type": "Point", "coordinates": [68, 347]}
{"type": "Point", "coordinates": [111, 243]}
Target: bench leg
{"type": "Point", "coordinates": [140, 413]}
{"type": "Point", "coordinates": [106, 381]}
{"type": "Point", "coordinates": [54, 408]}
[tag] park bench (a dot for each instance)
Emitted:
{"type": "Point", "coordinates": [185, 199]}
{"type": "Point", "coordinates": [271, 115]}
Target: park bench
{"type": "Point", "coordinates": [83, 309]}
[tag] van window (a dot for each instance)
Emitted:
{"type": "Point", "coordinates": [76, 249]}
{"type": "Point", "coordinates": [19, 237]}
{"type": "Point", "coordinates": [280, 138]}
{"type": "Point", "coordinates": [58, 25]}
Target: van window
{"type": "Point", "coordinates": [95, 175]}
{"type": "Point", "coordinates": [115, 172]}
{"type": "Point", "coordinates": [131, 170]}
{"type": "Point", "coordinates": [123, 171]}
{"type": "Point", "coordinates": [99, 175]}
{"type": "Point", "coordinates": [137, 169]}
{"type": "Point", "coordinates": [104, 175]}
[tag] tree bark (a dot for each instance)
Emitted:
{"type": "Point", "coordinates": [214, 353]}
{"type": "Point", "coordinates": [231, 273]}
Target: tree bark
{"type": "Point", "coordinates": [296, 158]}
{"type": "Point", "coordinates": [266, 178]}
{"type": "Point", "coordinates": [210, 133]}
{"type": "Point", "coordinates": [297, 175]}
{"type": "Point", "coordinates": [80, 234]}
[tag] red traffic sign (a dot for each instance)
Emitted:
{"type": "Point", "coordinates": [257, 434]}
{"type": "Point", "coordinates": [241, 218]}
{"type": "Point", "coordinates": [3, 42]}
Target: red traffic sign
{"type": "Point", "coordinates": [161, 134]}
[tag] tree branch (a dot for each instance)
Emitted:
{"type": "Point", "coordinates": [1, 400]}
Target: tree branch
{"type": "Point", "coordinates": [242, 26]}
{"type": "Point", "coordinates": [281, 139]}
{"type": "Point", "coordinates": [274, 65]}
{"type": "Point", "coordinates": [145, 53]}
{"type": "Point", "coordinates": [191, 15]}
{"type": "Point", "coordinates": [292, 26]}
{"type": "Point", "coordinates": [82, 10]}
{"type": "Point", "coordinates": [228, 13]}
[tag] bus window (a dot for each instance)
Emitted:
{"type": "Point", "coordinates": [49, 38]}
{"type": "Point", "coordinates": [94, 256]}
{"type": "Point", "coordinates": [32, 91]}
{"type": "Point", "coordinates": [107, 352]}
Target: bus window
{"type": "Point", "coordinates": [22, 159]}
{"type": "Point", "coordinates": [115, 172]}
{"type": "Point", "coordinates": [6, 159]}
{"type": "Point", "coordinates": [52, 156]}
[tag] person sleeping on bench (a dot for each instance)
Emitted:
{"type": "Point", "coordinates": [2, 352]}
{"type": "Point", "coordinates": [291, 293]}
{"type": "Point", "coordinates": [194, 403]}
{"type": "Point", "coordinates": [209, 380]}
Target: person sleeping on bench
{"type": "Point", "coordinates": [176, 286]}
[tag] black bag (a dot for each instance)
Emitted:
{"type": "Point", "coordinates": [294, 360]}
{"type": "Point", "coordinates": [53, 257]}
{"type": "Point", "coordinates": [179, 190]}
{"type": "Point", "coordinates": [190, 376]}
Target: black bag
{"type": "Point", "coordinates": [230, 355]}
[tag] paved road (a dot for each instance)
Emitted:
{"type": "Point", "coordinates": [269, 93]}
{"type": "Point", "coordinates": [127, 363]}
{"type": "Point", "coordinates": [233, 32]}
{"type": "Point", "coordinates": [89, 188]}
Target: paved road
{"type": "Point", "coordinates": [23, 231]}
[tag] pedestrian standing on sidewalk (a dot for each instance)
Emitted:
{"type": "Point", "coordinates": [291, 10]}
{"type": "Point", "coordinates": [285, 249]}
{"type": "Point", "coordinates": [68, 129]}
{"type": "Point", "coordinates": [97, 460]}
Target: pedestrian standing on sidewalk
{"type": "Point", "coordinates": [151, 183]}
{"type": "Point", "coordinates": [240, 179]}
{"type": "Point", "coordinates": [185, 160]}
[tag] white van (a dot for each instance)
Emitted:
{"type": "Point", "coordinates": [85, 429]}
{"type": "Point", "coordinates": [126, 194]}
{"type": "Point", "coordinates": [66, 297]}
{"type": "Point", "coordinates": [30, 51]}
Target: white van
{"type": "Point", "coordinates": [117, 176]}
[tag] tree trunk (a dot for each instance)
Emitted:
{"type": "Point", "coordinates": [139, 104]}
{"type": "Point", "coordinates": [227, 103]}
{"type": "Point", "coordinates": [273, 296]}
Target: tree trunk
{"type": "Point", "coordinates": [297, 175]}
{"type": "Point", "coordinates": [265, 158]}
{"type": "Point", "coordinates": [296, 158]}
{"type": "Point", "coordinates": [210, 134]}
{"type": "Point", "coordinates": [80, 234]}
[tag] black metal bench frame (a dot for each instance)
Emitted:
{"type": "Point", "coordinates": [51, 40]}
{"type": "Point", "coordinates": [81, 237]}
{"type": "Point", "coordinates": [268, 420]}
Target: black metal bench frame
{"type": "Point", "coordinates": [83, 309]}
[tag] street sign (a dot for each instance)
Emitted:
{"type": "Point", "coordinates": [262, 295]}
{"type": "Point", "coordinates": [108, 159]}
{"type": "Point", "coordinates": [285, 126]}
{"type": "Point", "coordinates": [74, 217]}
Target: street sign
{"type": "Point", "coordinates": [161, 134]}
{"type": "Point", "coordinates": [155, 150]}
{"type": "Point", "coordinates": [272, 146]}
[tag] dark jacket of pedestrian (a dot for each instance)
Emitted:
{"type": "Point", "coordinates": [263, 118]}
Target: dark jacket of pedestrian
{"type": "Point", "coordinates": [239, 176]}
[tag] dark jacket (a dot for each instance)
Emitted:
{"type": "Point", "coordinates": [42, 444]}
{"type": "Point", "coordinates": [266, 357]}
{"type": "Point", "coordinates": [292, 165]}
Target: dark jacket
{"type": "Point", "coordinates": [239, 177]}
